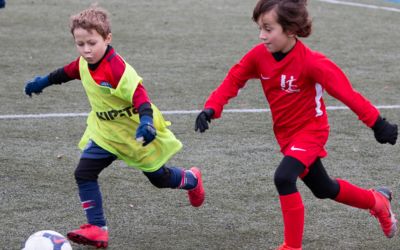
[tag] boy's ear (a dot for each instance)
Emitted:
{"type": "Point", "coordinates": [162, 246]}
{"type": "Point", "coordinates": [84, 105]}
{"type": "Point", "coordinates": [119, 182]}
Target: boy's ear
{"type": "Point", "coordinates": [290, 33]}
{"type": "Point", "coordinates": [109, 38]}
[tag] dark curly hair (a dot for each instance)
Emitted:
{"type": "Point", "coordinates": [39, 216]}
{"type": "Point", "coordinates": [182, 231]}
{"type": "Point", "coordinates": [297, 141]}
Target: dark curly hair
{"type": "Point", "coordinates": [292, 15]}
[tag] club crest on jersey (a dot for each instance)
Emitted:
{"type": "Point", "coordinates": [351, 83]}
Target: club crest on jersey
{"type": "Point", "coordinates": [288, 85]}
{"type": "Point", "coordinates": [106, 84]}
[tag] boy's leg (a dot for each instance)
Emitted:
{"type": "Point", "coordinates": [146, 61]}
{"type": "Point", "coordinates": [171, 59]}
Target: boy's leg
{"type": "Point", "coordinates": [319, 182]}
{"type": "Point", "coordinates": [291, 203]}
{"type": "Point", "coordinates": [383, 212]}
{"type": "Point", "coordinates": [93, 160]}
{"type": "Point", "coordinates": [173, 177]}
{"type": "Point", "coordinates": [377, 201]}
{"type": "Point", "coordinates": [86, 175]}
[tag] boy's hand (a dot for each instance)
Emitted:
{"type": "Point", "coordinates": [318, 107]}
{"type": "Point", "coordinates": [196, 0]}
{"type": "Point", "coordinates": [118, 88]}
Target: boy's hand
{"type": "Point", "coordinates": [37, 85]}
{"type": "Point", "coordinates": [384, 131]}
{"type": "Point", "coordinates": [203, 119]}
{"type": "Point", "coordinates": [146, 132]}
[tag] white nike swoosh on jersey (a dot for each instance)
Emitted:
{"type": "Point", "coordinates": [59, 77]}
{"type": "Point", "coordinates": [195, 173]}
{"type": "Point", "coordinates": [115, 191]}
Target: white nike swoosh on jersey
{"type": "Point", "coordinates": [293, 148]}
{"type": "Point", "coordinates": [265, 77]}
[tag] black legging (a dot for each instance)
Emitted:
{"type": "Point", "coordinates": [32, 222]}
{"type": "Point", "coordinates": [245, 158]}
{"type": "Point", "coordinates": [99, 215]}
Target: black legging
{"type": "Point", "coordinates": [317, 179]}
{"type": "Point", "coordinates": [89, 169]}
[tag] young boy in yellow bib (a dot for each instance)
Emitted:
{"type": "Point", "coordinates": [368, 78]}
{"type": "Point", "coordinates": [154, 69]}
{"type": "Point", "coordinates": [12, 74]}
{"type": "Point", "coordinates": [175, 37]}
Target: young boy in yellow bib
{"type": "Point", "coordinates": [123, 124]}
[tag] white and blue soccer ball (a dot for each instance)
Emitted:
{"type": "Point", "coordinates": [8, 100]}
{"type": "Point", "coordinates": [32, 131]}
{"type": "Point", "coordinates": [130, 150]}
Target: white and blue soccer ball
{"type": "Point", "coordinates": [47, 240]}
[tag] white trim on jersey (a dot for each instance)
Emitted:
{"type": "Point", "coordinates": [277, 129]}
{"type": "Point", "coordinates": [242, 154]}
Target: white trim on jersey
{"type": "Point", "coordinates": [319, 90]}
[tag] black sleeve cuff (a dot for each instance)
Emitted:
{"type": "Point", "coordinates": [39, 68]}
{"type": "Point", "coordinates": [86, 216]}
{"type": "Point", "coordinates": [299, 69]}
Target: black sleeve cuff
{"type": "Point", "coordinates": [59, 76]}
{"type": "Point", "coordinates": [209, 113]}
{"type": "Point", "coordinates": [145, 109]}
{"type": "Point", "coordinates": [380, 122]}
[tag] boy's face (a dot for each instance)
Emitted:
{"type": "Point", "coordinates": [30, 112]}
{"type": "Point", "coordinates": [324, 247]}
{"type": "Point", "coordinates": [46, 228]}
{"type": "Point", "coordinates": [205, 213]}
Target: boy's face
{"type": "Point", "coordinates": [90, 44]}
{"type": "Point", "coordinates": [272, 34]}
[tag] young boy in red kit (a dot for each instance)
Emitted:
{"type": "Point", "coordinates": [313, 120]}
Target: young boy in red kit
{"type": "Point", "coordinates": [293, 78]}
{"type": "Point", "coordinates": [123, 124]}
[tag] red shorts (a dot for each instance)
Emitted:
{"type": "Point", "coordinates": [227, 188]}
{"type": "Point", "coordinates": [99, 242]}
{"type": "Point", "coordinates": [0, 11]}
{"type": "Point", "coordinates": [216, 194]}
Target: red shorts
{"type": "Point", "coordinates": [306, 147]}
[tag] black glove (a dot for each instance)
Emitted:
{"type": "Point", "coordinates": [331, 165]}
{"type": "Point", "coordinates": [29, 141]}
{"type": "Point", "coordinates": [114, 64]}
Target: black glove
{"type": "Point", "coordinates": [203, 119]}
{"type": "Point", "coordinates": [384, 131]}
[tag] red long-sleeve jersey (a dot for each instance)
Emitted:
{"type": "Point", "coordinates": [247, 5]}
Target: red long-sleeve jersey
{"type": "Point", "coordinates": [293, 88]}
{"type": "Point", "coordinates": [107, 72]}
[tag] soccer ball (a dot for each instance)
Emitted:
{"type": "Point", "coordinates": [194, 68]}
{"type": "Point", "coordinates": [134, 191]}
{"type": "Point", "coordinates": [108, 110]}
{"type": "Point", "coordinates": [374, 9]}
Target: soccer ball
{"type": "Point", "coordinates": [47, 240]}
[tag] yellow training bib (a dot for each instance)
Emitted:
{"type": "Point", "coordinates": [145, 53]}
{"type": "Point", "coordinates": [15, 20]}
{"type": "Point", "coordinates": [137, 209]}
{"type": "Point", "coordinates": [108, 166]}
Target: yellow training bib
{"type": "Point", "coordinates": [112, 122]}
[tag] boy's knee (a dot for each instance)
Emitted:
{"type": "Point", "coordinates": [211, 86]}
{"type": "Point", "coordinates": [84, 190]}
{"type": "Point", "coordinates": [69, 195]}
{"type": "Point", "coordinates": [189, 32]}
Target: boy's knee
{"type": "Point", "coordinates": [89, 169]}
{"type": "Point", "coordinates": [320, 194]}
{"type": "Point", "coordinates": [282, 181]}
{"type": "Point", "coordinates": [284, 184]}
{"type": "Point", "coordinates": [160, 178]}
{"type": "Point", "coordinates": [82, 175]}
{"type": "Point", "coordinates": [329, 191]}
{"type": "Point", "coordinates": [286, 175]}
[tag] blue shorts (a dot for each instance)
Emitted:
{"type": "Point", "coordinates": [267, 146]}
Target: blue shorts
{"type": "Point", "coordinates": [94, 151]}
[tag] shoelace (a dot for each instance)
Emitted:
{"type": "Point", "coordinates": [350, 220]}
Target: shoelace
{"type": "Point", "coordinates": [85, 226]}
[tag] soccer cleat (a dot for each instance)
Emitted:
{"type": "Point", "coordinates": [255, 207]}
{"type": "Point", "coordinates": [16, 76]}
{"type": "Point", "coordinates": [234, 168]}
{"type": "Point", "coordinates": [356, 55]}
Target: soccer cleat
{"type": "Point", "coordinates": [90, 235]}
{"type": "Point", "coordinates": [196, 195]}
{"type": "Point", "coordinates": [286, 247]}
{"type": "Point", "coordinates": [383, 212]}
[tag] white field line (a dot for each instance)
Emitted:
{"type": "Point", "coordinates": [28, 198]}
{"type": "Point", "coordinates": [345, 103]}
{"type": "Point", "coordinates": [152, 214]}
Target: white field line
{"type": "Point", "coordinates": [368, 6]}
{"type": "Point", "coordinates": [168, 112]}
